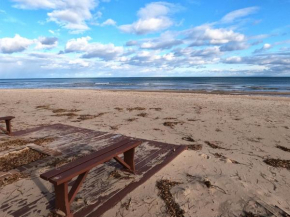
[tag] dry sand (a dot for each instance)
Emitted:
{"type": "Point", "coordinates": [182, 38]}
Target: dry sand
{"type": "Point", "coordinates": [227, 181]}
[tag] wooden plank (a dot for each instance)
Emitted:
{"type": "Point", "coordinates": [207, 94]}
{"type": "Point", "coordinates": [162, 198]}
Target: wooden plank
{"type": "Point", "coordinates": [6, 118]}
{"type": "Point", "coordinates": [69, 174]}
{"type": "Point", "coordinates": [82, 160]}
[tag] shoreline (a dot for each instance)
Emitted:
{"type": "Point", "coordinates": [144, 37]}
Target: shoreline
{"type": "Point", "coordinates": [215, 92]}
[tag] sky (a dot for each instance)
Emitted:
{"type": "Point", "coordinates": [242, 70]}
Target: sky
{"type": "Point", "coordinates": [140, 38]}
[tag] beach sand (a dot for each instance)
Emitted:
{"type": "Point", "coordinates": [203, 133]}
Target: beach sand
{"type": "Point", "coordinates": [227, 177]}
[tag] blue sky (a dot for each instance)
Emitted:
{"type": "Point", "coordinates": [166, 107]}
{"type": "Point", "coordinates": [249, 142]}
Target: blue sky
{"type": "Point", "coordinates": [120, 38]}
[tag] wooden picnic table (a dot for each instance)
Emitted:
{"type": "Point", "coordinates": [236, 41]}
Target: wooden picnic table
{"type": "Point", "coordinates": [60, 177]}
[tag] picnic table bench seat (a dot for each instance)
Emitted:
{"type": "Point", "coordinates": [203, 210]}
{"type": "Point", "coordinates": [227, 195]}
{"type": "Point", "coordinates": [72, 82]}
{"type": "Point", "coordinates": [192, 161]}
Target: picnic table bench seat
{"type": "Point", "coordinates": [60, 177]}
{"type": "Point", "coordinates": [7, 120]}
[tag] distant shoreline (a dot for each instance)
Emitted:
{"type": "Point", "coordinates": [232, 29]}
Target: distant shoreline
{"type": "Point", "coordinates": [231, 93]}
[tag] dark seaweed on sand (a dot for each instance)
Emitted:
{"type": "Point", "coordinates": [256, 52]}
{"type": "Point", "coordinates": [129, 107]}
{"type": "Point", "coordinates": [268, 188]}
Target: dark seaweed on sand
{"type": "Point", "coordinates": [173, 209]}
{"type": "Point", "coordinates": [283, 148]}
{"type": "Point", "coordinates": [196, 147]}
{"type": "Point", "coordinates": [278, 163]}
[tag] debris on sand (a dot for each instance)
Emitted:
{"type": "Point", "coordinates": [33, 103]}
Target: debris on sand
{"type": "Point", "coordinates": [43, 141]}
{"type": "Point", "coordinates": [220, 156]}
{"type": "Point", "coordinates": [278, 163]}
{"type": "Point", "coordinates": [188, 138]}
{"type": "Point", "coordinates": [43, 107]}
{"type": "Point", "coordinates": [119, 109]}
{"type": "Point", "coordinates": [213, 145]}
{"type": "Point", "coordinates": [100, 114]}
{"type": "Point", "coordinates": [283, 148]}
{"type": "Point", "coordinates": [116, 127]}
{"type": "Point", "coordinates": [69, 115]}
{"type": "Point", "coordinates": [64, 110]}
{"type": "Point", "coordinates": [172, 208]}
{"type": "Point", "coordinates": [131, 119]}
{"type": "Point", "coordinates": [126, 205]}
{"type": "Point", "coordinates": [11, 178]}
{"type": "Point", "coordinates": [156, 109]}
{"type": "Point", "coordinates": [86, 117]}
{"type": "Point", "coordinates": [135, 109]}
{"type": "Point", "coordinates": [143, 114]}
{"type": "Point", "coordinates": [21, 142]}
{"type": "Point", "coordinates": [18, 158]}
{"type": "Point", "coordinates": [194, 147]}
{"type": "Point", "coordinates": [115, 174]}
{"type": "Point", "coordinates": [172, 124]}
{"type": "Point", "coordinates": [169, 118]}
{"type": "Point", "coordinates": [13, 143]}
{"type": "Point", "coordinates": [192, 119]}
{"type": "Point", "coordinates": [205, 182]}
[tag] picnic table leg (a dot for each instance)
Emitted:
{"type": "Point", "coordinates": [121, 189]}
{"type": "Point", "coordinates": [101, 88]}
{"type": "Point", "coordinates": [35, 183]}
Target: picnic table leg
{"type": "Point", "coordinates": [129, 158]}
{"type": "Point", "coordinates": [61, 199]}
{"type": "Point", "coordinates": [8, 126]}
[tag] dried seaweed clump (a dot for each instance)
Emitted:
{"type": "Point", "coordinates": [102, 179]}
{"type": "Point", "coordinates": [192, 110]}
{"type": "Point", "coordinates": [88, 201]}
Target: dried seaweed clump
{"type": "Point", "coordinates": [278, 163]}
{"type": "Point", "coordinates": [194, 147]}
{"type": "Point", "coordinates": [131, 119]}
{"type": "Point", "coordinates": [143, 114]}
{"type": "Point", "coordinates": [119, 109]}
{"type": "Point", "coordinates": [135, 109]}
{"type": "Point", "coordinates": [172, 208]}
{"type": "Point", "coordinates": [64, 110]}
{"type": "Point", "coordinates": [21, 142]}
{"type": "Point", "coordinates": [13, 143]}
{"type": "Point", "coordinates": [283, 148]}
{"type": "Point", "coordinates": [220, 156]}
{"type": "Point", "coordinates": [188, 139]}
{"type": "Point", "coordinates": [171, 124]}
{"type": "Point", "coordinates": [86, 117]}
{"type": "Point", "coordinates": [213, 145]}
{"type": "Point", "coordinates": [11, 178]}
{"type": "Point", "coordinates": [115, 174]}
{"type": "Point", "coordinates": [156, 109]}
{"type": "Point", "coordinates": [69, 115]}
{"type": "Point", "coordinates": [43, 141]}
{"type": "Point", "coordinates": [19, 158]}
{"type": "Point", "coordinates": [43, 107]}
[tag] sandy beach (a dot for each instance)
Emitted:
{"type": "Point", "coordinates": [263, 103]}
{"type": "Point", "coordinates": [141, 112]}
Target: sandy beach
{"type": "Point", "coordinates": [227, 174]}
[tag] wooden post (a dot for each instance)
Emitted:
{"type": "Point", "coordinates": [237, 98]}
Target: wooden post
{"type": "Point", "coordinates": [8, 126]}
{"type": "Point", "coordinates": [129, 158]}
{"type": "Point", "coordinates": [61, 199]}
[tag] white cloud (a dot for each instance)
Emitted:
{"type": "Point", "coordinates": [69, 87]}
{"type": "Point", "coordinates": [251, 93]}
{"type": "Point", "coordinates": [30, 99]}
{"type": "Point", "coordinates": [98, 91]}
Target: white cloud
{"type": "Point", "coordinates": [232, 46]}
{"type": "Point", "coordinates": [109, 22]}
{"type": "Point", "coordinates": [264, 48]}
{"type": "Point", "coordinates": [79, 62]}
{"type": "Point", "coordinates": [234, 15]}
{"type": "Point", "coordinates": [154, 17]}
{"type": "Point", "coordinates": [206, 34]}
{"type": "Point", "coordinates": [77, 45]}
{"type": "Point", "coordinates": [233, 59]}
{"type": "Point", "coordinates": [93, 50]}
{"type": "Point", "coordinates": [46, 43]}
{"type": "Point", "coordinates": [16, 44]}
{"type": "Point", "coordinates": [165, 41]}
{"type": "Point", "coordinates": [70, 14]}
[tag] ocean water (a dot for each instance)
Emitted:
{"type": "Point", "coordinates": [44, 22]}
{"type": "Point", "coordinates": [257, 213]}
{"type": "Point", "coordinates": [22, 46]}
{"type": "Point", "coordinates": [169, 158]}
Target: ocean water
{"type": "Point", "coordinates": [209, 84]}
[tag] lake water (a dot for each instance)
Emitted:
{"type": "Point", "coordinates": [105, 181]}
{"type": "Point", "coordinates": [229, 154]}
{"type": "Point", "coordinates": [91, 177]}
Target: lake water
{"type": "Point", "coordinates": [249, 84]}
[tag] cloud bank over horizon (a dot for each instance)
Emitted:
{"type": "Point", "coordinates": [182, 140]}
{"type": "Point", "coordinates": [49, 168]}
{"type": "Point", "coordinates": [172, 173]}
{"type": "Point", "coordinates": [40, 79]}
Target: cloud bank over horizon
{"type": "Point", "coordinates": [109, 38]}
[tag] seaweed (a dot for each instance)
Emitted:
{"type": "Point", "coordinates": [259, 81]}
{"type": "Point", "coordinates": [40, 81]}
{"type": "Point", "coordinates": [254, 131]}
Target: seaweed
{"type": "Point", "coordinates": [172, 208]}
{"type": "Point", "coordinates": [278, 163]}
{"type": "Point", "coordinates": [194, 147]}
